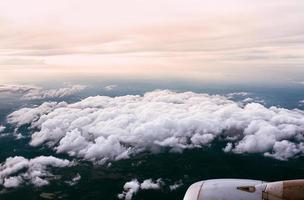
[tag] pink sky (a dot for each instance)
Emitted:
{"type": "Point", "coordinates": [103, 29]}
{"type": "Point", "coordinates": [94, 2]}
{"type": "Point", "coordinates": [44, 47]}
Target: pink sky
{"type": "Point", "coordinates": [203, 39]}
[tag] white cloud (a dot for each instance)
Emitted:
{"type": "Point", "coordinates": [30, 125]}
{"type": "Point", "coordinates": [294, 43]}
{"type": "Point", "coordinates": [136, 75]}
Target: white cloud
{"type": "Point", "coordinates": [102, 128]}
{"type": "Point", "coordinates": [30, 92]}
{"type": "Point", "coordinates": [19, 170]}
{"type": "Point", "coordinates": [12, 182]}
{"type": "Point", "coordinates": [110, 87]}
{"type": "Point", "coordinates": [2, 128]}
{"type": "Point", "coordinates": [14, 88]}
{"type": "Point", "coordinates": [283, 150]}
{"type": "Point", "coordinates": [243, 97]}
{"type": "Point", "coordinates": [74, 180]}
{"type": "Point", "coordinates": [176, 185]}
{"type": "Point", "coordinates": [29, 115]}
{"type": "Point", "coordinates": [149, 184]}
{"type": "Point", "coordinates": [54, 93]}
{"type": "Point", "coordinates": [237, 94]}
{"type": "Point", "coordinates": [228, 147]}
{"type": "Point", "coordinates": [132, 187]}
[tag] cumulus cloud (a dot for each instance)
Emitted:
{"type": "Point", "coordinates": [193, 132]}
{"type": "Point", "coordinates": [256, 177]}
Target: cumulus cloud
{"type": "Point", "coordinates": [149, 184]}
{"type": "Point", "coordinates": [74, 180]}
{"type": "Point", "coordinates": [228, 147]}
{"type": "Point", "coordinates": [132, 187]}
{"type": "Point", "coordinates": [2, 128]}
{"type": "Point", "coordinates": [103, 128]}
{"type": "Point", "coordinates": [19, 170]}
{"type": "Point", "coordinates": [110, 87]}
{"type": "Point", "coordinates": [283, 150]}
{"type": "Point", "coordinates": [176, 185]}
{"type": "Point", "coordinates": [30, 92]}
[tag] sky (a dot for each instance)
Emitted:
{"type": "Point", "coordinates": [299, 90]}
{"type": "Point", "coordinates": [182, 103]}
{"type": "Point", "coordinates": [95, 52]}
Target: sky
{"type": "Point", "coordinates": [221, 40]}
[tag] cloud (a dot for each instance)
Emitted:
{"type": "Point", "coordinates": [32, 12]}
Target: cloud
{"type": "Point", "coordinates": [103, 128]}
{"type": "Point", "coordinates": [149, 184]}
{"type": "Point", "coordinates": [283, 150]}
{"type": "Point", "coordinates": [228, 147]}
{"type": "Point", "coordinates": [19, 170]}
{"type": "Point", "coordinates": [22, 62]}
{"type": "Point", "coordinates": [30, 92]}
{"type": "Point", "coordinates": [2, 128]}
{"type": "Point", "coordinates": [110, 87]}
{"type": "Point", "coordinates": [237, 94]}
{"type": "Point", "coordinates": [29, 115]}
{"type": "Point", "coordinates": [176, 185]}
{"type": "Point", "coordinates": [17, 88]}
{"type": "Point", "coordinates": [160, 39]}
{"type": "Point", "coordinates": [132, 187]}
{"type": "Point", "coordinates": [243, 97]}
{"type": "Point", "coordinates": [74, 180]}
{"type": "Point", "coordinates": [54, 93]}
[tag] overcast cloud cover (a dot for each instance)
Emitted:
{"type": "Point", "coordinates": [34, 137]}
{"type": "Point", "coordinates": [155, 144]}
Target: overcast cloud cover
{"type": "Point", "coordinates": [102, 128]}
{"type": "Point", "coordinates": [19, 170]}
{"type": "Point", "coordinates": [226, 40]}
{"type": "Point", "coordinates": [31, 92]}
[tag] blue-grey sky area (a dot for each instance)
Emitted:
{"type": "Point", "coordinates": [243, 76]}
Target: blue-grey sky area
{"type": "Point", "coordinates": [237, 41]}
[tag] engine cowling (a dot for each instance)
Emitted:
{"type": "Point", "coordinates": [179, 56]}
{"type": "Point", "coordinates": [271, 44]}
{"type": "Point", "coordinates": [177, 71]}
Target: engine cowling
{"type": "Point", "coordinates": [244, 189]}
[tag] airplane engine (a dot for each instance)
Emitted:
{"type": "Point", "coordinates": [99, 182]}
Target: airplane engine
{"type": "Point", "coordinates": [243, 189]}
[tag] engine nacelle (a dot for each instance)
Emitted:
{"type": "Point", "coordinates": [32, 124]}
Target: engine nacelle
{"type": "Point", "coordinates": [243, 189]}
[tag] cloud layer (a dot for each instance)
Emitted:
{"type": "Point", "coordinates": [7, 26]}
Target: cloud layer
{"type": "Point", "coordinates": [102, 128]}
{"type": "Point", "coordinates": [19, 170]}
{"type": "Point", "coordinates": [30, 92]}
{"type": "Point", "coordinates": [236, 40]}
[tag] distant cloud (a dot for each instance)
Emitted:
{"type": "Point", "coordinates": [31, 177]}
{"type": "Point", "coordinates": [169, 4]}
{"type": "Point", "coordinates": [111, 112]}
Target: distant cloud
{"type": "Point", "coordinates": [13, 88]}
{"type": "Point", "coordinates": [2, 128]}
{"type": "Point", "coordinates": [18, 170]}
{"type": "Point", "coordinates": [299, 82]}
{"type": "Point", "coordinates": [110, 87]}
{"type": "Point", "coordinates": [244, 98]}
{"type": "Point", "coordinates": [176, 185]}
{"type": "Point", "coordinates": [30, 92]}
{"type": "Point", "coordinates": [102, 128]}
{"type": "Point", "coordinates": [237, 94]}
{"type": "Point", "coordinates": [132, 187]}
{"type": "Point", "coordinates": [22, 62]}
{"type": "Point", "coordinates": [74, 180]}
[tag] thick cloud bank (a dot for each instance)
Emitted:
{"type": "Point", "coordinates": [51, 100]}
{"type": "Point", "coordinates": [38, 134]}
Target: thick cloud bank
{"type": "Point", "coordinates": [132, 187]}
{"type": "Point", "coordinates": [102, 128]}
{"type": "Point", "coordinates": [19, 170]}
{"type": "Point", "coordinates": [30, 92]}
